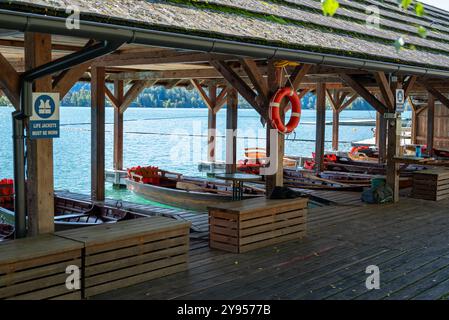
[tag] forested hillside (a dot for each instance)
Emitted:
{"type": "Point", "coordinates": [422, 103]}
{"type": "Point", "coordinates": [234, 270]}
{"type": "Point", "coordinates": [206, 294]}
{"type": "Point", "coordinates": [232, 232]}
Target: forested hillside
{"type": "Point", "coordinates": [159, 97]}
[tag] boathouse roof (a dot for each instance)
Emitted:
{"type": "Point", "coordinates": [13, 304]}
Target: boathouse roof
{"type": "Point", "coordinates": [295, 24]}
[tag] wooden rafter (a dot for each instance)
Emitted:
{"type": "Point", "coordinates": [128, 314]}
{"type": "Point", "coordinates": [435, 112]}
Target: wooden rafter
{"type": "Point", "coordinates": [298, 75]}
{"type": "Point", "coordinates": [168, 75]}
{"type": "Point", "coordinates": [364, 93]}
{"type": "Point", "coordinates": [173, 83]}
{"type": "Point", "coordinates": [133, 92]}
{"type": "Point", "coordinates": [236, 81]}
{"type": "Point", "coordinates": [203, 94]}
{"type": "Point", "coordinates": [67, 79]}
{"type": "Point", "coordinates": [115, 102]}
{"type": "Point", "coordinates": [435, 93]}
{"type": "Point", "coordinates": [221, 100]}
{"type": "Point", "coordinates": [348, 102]}
{"type": "Point", "coordinates": [156, 57]}
{"type": "Point", "coordinates": [385, 89]}
{"type": "Point", "coordinates": [342, 97]}
{"type": "Point", "coordinates": [410, 85]}
{"type": "Point", "coordinates": [10, 81]}
{"type": "Point", "coordinates": [331, 96]}
{"type": "Point", "coordinates": [256, 77]}
{"type": "Point", "coordinates": [304, 92]}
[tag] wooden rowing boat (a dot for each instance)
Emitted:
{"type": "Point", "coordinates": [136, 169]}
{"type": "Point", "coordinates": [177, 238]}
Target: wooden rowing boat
{"type": "Point", "coordinates": [259, 155]}
{"type": "Point", "coordinates": [6, 231]}
{"type": "Point", "coordinates": [305, 179]}
{"type": "Point", "coordinates": [188, 193]}
{"type": "Point", "coordinates": [184, 197]}
{"type": "Point", "coordinates": [71, 214]}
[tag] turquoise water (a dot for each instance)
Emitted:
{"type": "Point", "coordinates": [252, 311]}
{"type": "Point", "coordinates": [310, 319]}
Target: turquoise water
{"type": "Point", "coordinates": [160, 137]}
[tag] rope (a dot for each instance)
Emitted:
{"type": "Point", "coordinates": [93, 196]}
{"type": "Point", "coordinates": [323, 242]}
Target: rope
{"type": "Point", "coordinates": [285, 63]}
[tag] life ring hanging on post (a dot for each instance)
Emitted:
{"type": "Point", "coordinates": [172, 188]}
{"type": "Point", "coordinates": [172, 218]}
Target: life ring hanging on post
{"type": "Point", "coordinates": [275, 115]}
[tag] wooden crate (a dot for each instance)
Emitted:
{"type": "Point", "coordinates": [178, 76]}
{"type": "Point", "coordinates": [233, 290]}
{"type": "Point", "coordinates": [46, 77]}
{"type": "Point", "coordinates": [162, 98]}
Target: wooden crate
{"type": "Point", "coordinates": [35, 268]}
{"type": "Point", "coordinates": [130, 252]}
{"type": "Point", "coordinates": [255, 223]}
{"type": "Point", "coordinates": [431, 184]}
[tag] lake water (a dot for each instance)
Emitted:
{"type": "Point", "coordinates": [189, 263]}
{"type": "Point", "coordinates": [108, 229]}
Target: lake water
{"type": "Point", "coordinates": [162, 137]}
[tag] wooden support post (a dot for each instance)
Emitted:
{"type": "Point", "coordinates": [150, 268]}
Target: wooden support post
{"type": "Point", "coordinates": [212, 125]}
{"type": "Point", "coordinates": [393, 150]}
{"type": "Point", "coordinates": [118, 126]}
{"type": "Point", "coordinates": [430, 124]}
{"type": "Point", "coordinates": [274, 83]}
{"type": "Point", "coordinates": [40, 186]}
{"type": "Point", "coordinates": [98, 134]}
{"type": "Point", "coordinates": [414, 133]}
{"type": "Point", "coordinates": [211, 135]}
{"type": "Point", "coordinates": [231, 127]}
{"type": "Point", "coordinates": [381, 132]}
{"type": "Point", "coordinates": [320, 126]}
{"type": "Point", "coordinates": [376, 136]}
{"type": "Point", "coordinates": [335, 129]}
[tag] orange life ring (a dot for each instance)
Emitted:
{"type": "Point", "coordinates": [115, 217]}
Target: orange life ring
{"type": "Point", "coordinates": [275, 104]}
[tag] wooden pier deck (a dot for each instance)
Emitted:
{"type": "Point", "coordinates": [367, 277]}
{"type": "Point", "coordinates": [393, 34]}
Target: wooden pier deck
{"type": "Point", "coordinates": [408, 241]}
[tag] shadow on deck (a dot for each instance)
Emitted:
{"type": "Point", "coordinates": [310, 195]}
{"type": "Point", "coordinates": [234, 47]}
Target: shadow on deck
{"type": "Point", "coordinates": [408, 241]}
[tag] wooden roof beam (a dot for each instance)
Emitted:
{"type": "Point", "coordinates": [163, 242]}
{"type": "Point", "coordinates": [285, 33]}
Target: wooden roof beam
{"type": "Point", "coordinates": [173, 83]}
{"type": "Point", "coordinates": [408, 87]}
{"type": "Point", "coordinates": [298, 75]}
{"type": "Point", "coordinates": [435, 93]}
{"type": "Point", "coordinates": [134, 92]}
{"type": "Point", "coordinates": [221, 99]}
{"type": "Point", "coordinates": [342, 97]}
{"type": "Point", "coordinates": [55, 46]}
{"type": "Point", "coordinates": [256, 77]}
{"type": "Point", "coordinates": [348, 102]}
{"type": "Point", "coordinates": [67, 79]}
{"type": "Point", "coordinates": [115, 102]}
{"type": "Point", "coordinates": [10, 81]}
{"type": "Point", "coordinates": [304, 92]}
{"type": "Point", "coordinates": [364, 93]}
{"type": "Point", "coordinates": [239, 84]}
{"type": "Point", "coordinates": [334, 103]}
{"type": "Point", "coordinates": [156, 57]}
{"type": "Point", "coordinates": [385, 89]}
{"type": "Point", "coordinates": [209, 103]}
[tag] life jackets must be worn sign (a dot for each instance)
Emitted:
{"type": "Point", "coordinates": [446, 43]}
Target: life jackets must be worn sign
{"type": "Point", "coordinates": [44, 122]}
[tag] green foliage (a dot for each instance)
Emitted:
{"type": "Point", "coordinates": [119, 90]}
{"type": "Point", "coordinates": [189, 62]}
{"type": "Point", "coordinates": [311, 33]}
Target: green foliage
{"type": "Point", "coordinates": [159, 97]}
{"type": "Point", "coordinates": [422, 32]}
{"type": "Point", "coordinates": [330, 7]}
{"type": "Point", "coordinates": [4, 102]}
{"type": "Point", "coordinates": [419, 9]}
{"type": "Point", "coordinates": [406, 3]}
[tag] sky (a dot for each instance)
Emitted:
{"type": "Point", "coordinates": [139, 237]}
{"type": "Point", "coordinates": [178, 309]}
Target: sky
{"type": "Point", "coordinates": [443, 4]}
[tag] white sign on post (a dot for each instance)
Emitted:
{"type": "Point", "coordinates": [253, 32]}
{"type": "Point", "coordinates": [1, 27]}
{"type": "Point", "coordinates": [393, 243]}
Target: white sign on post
{"type": "Point", "coordinates": [44, 122]}
{"type": "Point", "coordinates": [400, 100]}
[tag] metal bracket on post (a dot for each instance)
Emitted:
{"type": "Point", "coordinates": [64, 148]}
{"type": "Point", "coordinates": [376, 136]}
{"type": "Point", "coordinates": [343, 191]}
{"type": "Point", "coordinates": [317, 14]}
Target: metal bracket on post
{"type": "Point", "coordinates": [392, 115]}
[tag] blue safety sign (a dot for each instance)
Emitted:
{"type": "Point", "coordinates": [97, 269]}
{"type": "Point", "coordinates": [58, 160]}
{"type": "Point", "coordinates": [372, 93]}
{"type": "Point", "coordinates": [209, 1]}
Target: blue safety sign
{"type": "Point", "coordinates": [44, 122]}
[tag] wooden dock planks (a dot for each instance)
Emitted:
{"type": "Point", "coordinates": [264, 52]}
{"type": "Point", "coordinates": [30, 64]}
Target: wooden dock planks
{"type": "Point", "coordinates": [431, 184]}
{"type": "Point", "coordinates": [35, 268]}
{"type": "Point", "coordinates": [256, 223]}
{"type": "Point", "coordinates": [130, 252]}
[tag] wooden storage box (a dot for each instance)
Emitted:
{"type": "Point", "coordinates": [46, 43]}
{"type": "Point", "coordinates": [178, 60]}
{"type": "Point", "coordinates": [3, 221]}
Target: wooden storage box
{"type": "Point", "coordinates": [35, 268]}
{"type": "Point", "coordinates": [255, 223]}
{"type": "Point", "coordinates": [130, 252]}
{"type": "Point", "coordinates": [431, 184]}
